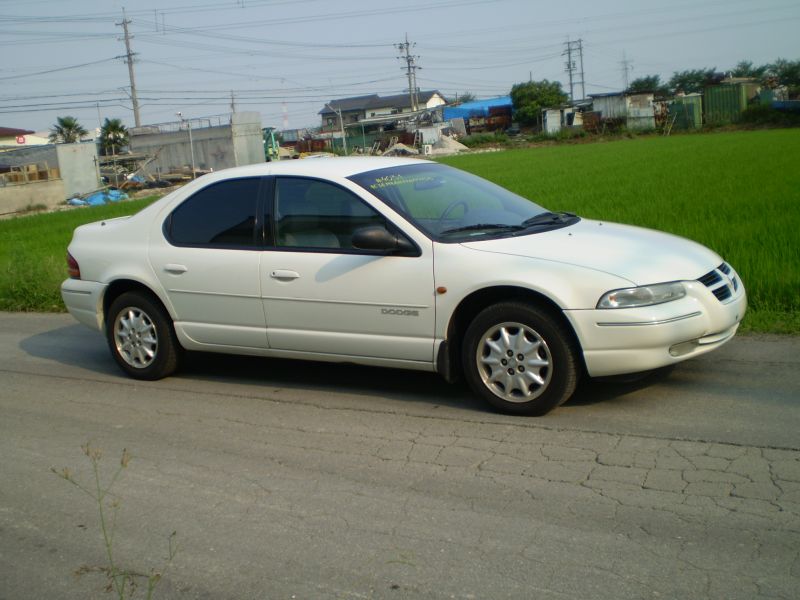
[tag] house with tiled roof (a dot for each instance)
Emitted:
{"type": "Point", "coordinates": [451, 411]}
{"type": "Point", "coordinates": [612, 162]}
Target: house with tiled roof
{"type": "Point", "coordinates": [358, 108]}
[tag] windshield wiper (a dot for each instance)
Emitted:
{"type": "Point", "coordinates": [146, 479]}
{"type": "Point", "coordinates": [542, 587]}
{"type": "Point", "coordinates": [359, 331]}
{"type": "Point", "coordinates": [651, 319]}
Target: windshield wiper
{"type": "Point", "coordinates": [483, 226]}
{"type": "Point", "coordinates": [547, 218]}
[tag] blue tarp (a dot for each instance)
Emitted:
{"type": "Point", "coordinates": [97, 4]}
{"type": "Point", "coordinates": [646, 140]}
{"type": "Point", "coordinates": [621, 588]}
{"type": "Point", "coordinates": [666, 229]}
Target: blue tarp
{"type": "Point", "coordinates": [104, 197]}
{"type": "Point", "coordinates": [479, 108]}
{"type": "Point", "coordinates": [787, 105]}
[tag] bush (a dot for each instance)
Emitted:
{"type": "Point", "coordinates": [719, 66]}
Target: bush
{"type": "Point", "coordinates": [484, 139]}
{"type": "Point", "coordinates": [761, 114]}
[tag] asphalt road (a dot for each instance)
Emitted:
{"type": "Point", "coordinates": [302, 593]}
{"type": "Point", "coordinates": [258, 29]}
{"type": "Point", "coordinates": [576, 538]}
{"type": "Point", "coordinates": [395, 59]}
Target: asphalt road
{"type": "Point", "coordinates": [292, 480]}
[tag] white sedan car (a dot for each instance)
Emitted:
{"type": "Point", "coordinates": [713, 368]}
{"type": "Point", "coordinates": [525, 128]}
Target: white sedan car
{"type": "Point", "coordinates": [398, 263]}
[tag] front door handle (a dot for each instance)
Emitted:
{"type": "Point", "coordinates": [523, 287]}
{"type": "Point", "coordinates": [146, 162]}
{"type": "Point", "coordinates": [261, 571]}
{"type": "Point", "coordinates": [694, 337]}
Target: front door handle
{"type": "Point", "coordinates": [284, 274]}
{"type": "Point", "coordinates": [175, 269]}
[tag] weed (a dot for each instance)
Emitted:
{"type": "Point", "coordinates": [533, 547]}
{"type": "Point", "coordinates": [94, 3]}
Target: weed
{"type": "Point", "coordinates": [123, 582]}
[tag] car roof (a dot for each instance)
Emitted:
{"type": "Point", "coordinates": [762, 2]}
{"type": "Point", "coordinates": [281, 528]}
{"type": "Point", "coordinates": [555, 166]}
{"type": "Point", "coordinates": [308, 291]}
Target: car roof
{"type": "Point", "coordinates": [323, 166]}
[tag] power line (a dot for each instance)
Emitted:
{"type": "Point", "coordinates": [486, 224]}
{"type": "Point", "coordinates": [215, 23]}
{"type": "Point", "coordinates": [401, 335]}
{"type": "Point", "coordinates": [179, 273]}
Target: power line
{"type": "Point", "coordinates": [95, 62]}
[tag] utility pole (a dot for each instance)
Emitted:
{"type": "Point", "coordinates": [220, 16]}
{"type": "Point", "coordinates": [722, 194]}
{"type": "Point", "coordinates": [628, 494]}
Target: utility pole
{"type": "Point", "coordinates": [129, 59]}
{"type": "Point", "coordinates": [583, 81]}
{"type": "Point", "coordinates": [570, 70]}
{"type": "Point", "coordinates": [411, 71]}
{"type": "Point", "coordinates": [233, 103]}
{"type": "Point", "coordinates": [627, 68]}
{"type": "Point", "coordinates": [341, 125]}
{"type": "Point", "coordinates": [191, 141]}
{"type": "Point", "coordinates": [575, 47]}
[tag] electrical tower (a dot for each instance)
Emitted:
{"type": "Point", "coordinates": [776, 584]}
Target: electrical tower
{"type": "Point", "coordinates": [411, 71]}
{"type": "Point", "coordinates": [572, 49]}
{"type": "Point", "coordinates": [129, 60]}
{"type": "Point", "coordinates": [627, 69]}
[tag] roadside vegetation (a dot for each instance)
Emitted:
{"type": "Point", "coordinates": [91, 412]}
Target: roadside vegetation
{"type": "Point", "coordinates": [735, 192]}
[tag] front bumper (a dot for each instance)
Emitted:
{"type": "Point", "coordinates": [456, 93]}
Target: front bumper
{"type": "Point", "coordinates": [84, 301]}
{"type": "Point", "coordinates": [619, 341]}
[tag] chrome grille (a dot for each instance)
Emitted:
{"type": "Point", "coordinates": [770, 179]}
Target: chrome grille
{"type": "Point", "coordinates": [722, 282]}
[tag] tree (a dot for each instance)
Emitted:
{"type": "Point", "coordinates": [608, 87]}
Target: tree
{"type": "Point", "coordinates": [691, 81]}
{"type": "Point", "coordinates": [745, 68]}
{"type": "Point", "coordinates": [464, 98]}
{"type": "Point", "coordinates": [67, 130]}
{"type": "Point", "coordinates": [649, 83]}
{"type": "Point", "coordinates": [786, 72]}
{"type": "Point", "coordinates": [113, 136]}
{"type": "Point", "coordinates": [531, 97]}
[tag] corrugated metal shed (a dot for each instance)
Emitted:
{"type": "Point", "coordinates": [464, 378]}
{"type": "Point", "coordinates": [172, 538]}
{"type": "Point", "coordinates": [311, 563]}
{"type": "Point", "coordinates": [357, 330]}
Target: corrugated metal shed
{"type": "Point", "coordinates": [725, 103]}
{"type": "Point", "coordinates": [686, 112]}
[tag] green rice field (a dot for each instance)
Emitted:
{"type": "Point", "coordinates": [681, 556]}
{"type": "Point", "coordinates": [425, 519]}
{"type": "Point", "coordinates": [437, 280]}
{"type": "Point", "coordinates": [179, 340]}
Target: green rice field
{"type": "Point", "coordinates": [33, 253]}
{"type": "Point", "coordinates": [737, 192]}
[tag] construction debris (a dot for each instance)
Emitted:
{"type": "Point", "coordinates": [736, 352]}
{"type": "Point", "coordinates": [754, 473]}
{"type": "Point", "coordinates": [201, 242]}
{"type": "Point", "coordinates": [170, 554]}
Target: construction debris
{"type": "Point", "coordinates": [400, 149]}
{"type": "Point", "coordinates": [447, 145]}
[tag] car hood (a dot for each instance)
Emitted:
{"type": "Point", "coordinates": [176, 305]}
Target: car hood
{"type": "Point", "coordinates": [642, 256]}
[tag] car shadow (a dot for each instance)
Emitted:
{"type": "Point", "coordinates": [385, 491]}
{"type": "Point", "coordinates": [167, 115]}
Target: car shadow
{"type": "Point", "coordinates": [597, 390]}
{"type": "Point", "coordinates": [321, 377]}
{"type": "Point", "coordinates": [73, 346]}
{"type": "Point", "coordinates": [79, 347]}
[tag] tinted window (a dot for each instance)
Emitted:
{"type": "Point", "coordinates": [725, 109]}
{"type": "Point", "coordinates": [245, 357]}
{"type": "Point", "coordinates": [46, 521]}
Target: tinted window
{"type": "Point", "coordinates": [315, 214]}
{"type": "Point", "coordinates": [223, 214]}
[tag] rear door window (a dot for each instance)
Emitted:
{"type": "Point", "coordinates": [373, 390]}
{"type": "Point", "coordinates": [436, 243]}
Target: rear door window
{"type": "Point", "coordinates": [222, 215]}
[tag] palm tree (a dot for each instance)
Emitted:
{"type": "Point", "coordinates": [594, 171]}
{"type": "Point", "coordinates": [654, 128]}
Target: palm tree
{"type": "Point", "coordinates": [67, 130]}
{"type": "Point", "coordinates": [113, 136]}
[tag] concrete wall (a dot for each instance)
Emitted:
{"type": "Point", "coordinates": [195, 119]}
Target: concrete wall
{"type": "Point", "coordinates": [248, 141]}
{"type": "Point", "coordinates": [216, 148]}
{"type": "Point", "coordinates": [78, 166]}
{"type": "Point", "coordinates": [15, 198]}
{"type": "Point", "coordinates": [77, 169]}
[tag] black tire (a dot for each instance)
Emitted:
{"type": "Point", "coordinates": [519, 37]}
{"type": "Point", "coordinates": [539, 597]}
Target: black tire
{"type": "Point", "coordinates": [140, 336]}
{"type": "Point", "coordinates": [540, 374]}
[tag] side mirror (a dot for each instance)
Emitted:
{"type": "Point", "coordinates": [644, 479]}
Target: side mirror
{"type": "Point", "coordinates": [376, 237]}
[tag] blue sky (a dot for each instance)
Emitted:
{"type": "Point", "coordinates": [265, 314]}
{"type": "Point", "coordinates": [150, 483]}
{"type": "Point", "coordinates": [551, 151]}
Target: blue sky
{"type": "Point", "coordinates": [285, 58]}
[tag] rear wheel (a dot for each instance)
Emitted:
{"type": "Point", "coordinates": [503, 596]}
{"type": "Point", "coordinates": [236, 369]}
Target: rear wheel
{"type": "Point", "coordinates": [520, 359]}
{"type": "Point", "coordinates": [140, 336]}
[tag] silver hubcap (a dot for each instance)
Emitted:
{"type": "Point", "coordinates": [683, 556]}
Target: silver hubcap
{"type": "Point", "coordinates": [135, 337]}
{"type": "Point", "coordinates": [514, 362]}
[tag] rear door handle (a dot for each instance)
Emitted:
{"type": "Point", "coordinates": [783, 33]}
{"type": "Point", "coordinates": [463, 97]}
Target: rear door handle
{"type": "Point", "coordinates": [175, 269]}
{"type": "Point", "coordinates": [284, 274]}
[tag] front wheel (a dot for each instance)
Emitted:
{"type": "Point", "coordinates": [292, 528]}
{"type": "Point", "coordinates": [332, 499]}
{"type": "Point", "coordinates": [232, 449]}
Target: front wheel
{"type": "Point", "coordinates": [520, 359]}
{"type": "Point", "coordinates": [140, 336]}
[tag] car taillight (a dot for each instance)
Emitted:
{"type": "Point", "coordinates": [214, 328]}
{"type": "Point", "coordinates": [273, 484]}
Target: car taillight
{"type": "Point", "coordinates": [72, 267]}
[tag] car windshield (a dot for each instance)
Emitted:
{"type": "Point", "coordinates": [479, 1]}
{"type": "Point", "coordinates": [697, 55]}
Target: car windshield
{"type": "Point", "coordinates": [450, 205]}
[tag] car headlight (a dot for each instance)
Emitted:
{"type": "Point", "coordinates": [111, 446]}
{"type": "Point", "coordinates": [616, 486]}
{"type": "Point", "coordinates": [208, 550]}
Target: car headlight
{"type": "Point", "coordinates": [646, 295]}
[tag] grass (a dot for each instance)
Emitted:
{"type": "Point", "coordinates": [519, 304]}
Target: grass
{"type": "Point", "coordinates": [33, 250]}
{"type": "Point", "coordinates": [735, 192]}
